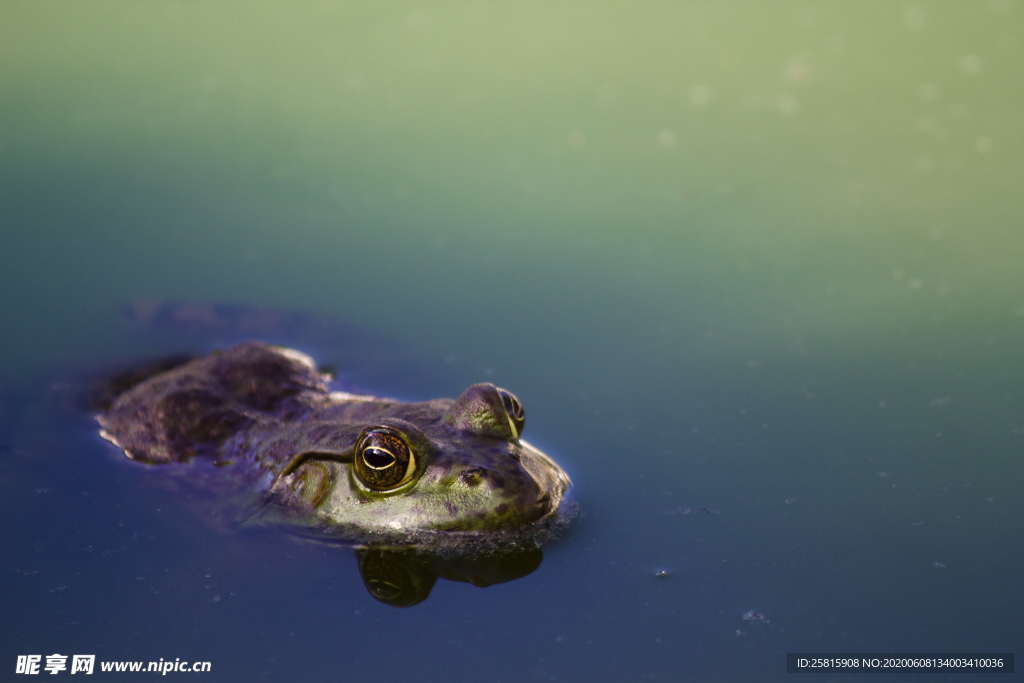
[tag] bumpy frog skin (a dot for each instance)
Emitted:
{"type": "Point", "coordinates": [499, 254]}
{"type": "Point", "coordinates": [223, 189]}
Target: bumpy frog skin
{"type": "Point", "coordinates": [339, 465]}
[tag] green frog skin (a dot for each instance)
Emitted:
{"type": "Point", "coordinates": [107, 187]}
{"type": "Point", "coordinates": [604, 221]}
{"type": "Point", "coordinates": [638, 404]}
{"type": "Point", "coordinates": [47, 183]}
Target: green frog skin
{"type": "Point", "coordinates": [260, 423]}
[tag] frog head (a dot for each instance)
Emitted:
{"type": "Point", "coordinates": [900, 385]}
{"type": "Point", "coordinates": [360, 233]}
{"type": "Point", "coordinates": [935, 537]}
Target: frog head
{"type": "Point", "coordinates": [379, 466]}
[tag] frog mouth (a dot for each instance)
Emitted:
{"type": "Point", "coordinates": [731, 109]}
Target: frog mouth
{"type": "Point", "coordinates": [551, 480]}
{"type": "Point", "coordinates": [537, 510]}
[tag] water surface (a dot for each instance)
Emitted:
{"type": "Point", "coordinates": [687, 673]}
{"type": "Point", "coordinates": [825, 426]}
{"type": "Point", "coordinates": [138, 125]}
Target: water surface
{"type": "Point", "coordinates": [754, 270]}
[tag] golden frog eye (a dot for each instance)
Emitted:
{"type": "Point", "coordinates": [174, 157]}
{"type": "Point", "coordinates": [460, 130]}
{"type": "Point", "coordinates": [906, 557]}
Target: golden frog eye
{"type": "Point", "coordinates": [384, 460]}
{"type": "Point", "coordinates": [514, 409]}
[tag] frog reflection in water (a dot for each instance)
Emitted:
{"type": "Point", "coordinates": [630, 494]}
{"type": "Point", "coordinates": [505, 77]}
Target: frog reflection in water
{"type": "Point", "coordinates": [443, 473]}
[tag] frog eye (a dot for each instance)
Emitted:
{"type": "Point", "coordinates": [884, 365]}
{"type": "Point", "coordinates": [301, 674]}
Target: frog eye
{"type": "Point", "coordinates": [487, 410]}
{"type": "Point", "coordinates": [383, 460]}
{"type": "Point", "coordinates": [514, 410]}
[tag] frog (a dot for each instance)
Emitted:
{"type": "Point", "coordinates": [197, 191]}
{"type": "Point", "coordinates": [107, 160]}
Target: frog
{"type": "Point", "coordinates": [261, 423]}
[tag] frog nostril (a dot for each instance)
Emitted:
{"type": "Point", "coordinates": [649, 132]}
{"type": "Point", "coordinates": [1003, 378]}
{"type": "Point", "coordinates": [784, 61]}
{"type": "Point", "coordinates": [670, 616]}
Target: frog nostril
{"type": "Point", "coordinates": [472, 477]}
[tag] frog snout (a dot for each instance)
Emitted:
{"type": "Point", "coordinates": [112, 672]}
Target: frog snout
{"type": "Point", "coordinates": [498, 479]}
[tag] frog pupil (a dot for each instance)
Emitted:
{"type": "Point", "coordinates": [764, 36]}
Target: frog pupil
{"type": "Point", "coordinates": [378, 458]}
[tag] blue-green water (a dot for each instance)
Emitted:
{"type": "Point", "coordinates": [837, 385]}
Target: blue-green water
{"type": "Point", "coordinates": [753, 268]}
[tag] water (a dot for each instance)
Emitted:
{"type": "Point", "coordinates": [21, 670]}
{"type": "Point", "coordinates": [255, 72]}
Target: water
{"type": "Point", "coordinates": [754, 270]}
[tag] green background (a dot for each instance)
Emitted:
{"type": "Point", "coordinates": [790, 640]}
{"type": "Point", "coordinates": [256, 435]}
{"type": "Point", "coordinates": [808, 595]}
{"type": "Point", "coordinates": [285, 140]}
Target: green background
{"type": "Point", "coordinates": [761, 259]}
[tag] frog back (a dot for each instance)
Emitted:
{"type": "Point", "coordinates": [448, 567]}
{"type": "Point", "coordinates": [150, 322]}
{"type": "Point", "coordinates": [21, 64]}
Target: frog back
{"type": "Point", "coordinates": [192, 409]}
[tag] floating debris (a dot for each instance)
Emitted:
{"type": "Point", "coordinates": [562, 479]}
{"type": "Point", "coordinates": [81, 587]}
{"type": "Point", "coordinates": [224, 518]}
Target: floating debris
{"type": "Point", "coordinates": [686, 510]}
{"type": "Point", "coordinates": [752, 616]}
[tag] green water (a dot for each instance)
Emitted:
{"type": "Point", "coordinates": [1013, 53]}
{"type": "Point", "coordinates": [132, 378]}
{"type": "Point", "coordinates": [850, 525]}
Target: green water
{"type": "Point", "coordinates": [763, 258]}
